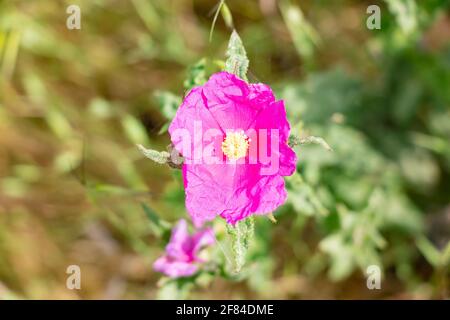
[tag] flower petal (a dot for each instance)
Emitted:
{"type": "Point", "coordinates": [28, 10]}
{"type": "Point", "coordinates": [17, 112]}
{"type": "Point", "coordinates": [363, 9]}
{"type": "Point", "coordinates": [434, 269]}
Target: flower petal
{"type": "Point", "coordinates": [231, 191]}
{"type": "Point", "coordinates": [173, 268]}
{"type": "Point", "coordinates": [274, 118]}
{"type": "Point", "coordinates": [190, 124]}
{"type": "Point", "coordinates": [234, 103]}
{"type": "Point", "coordinates": [263, 198]}
{"type": "Point", "coordinates": [200, 240]}
{"type": "Point", "coordinates": [176, 248]}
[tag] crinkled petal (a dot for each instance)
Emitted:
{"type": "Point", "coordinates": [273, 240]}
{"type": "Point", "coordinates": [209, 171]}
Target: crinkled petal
{"type": "Point", "coordinates": [263, 198]}
{"type": "Point", "coordinates": [288, 160]}
{"type": "Point", "coordinates": [273, 119]}
{"type": "Point", "coordinates": [231, 191]}
{"type": "Point", "coordinates": [190, 125]}
{"type": "Point", "coordinates": [207, 190]}
{"type": "Point", "coordinates": [178, 240]}
{"type": "Point", "coordinates": [200, 240]}
{"type": "Point", "coordinates": [174, 268]}
{"type": "Point", "coordinates": [234, 103]}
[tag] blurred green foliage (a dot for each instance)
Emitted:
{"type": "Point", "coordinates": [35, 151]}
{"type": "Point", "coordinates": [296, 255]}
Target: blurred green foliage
{"type": "Point", "coordinates": [74, 189]}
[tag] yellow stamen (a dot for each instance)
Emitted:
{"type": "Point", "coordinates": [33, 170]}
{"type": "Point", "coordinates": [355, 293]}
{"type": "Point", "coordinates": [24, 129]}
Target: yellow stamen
{"type": "Point", "coordinates": [235, 145]}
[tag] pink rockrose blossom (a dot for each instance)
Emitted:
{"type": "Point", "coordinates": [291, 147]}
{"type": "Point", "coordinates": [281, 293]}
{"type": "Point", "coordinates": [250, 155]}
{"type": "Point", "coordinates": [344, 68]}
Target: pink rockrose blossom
{"type": "Point", "coordinates": [233, 136]}
{"type": "Point", "coordinates": [181, 258]}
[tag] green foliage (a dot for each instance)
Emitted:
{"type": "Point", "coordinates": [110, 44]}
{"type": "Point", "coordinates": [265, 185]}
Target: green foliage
{"type": "Point", "coordinates": [237, 61]}
{"type": "Point", "coordinates": [226, 14]}
{"type": "Point", "coordinates": [159, 157]}
{"type": "Point", "coordinates": [357, 241]}
{"type": "Point", "coordinates": [159, 226]}
{"type": "Point", "coordinates": [303, 34]}
{"type": "Point", "coordinates": [295, 141]}
{"type": "Point", "coordinates": [134, 130]}
{"type": "Point", "coordinates": [241, 234]}
{"type": "Point", "coordinates": [168, 103]}
{"type": "Point", "coordinates": [196, 75]}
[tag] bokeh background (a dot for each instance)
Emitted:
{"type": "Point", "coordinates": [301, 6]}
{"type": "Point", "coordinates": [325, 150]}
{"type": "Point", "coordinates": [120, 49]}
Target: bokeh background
{"type": "Point", "coordinates": [73, 104]}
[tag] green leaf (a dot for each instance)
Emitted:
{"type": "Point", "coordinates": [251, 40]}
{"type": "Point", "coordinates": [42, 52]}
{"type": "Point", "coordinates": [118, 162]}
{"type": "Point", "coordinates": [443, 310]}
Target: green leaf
{"type": "Point", "coordinates": [171, 157]}
{"type": "Point", "coordinates": [406, 14]}
{"type": "Point", "coordinates": [9, 52]}
{"type": "Point", "coordinates": [303, 197]}
{"type": "Point", "coordinates": [241, 233]}
{"type": "Point", "coordinates": [295, 141]}
{"type": "Point", "coordinates": [159, 226]}
{"type": "Point", "coordinates": [164, 128]}
{"type": "Point", "coordinates": [58, 123]}
{"type": "Point", "coordinates": [168, 103]}
{"type": "Point", "coordinates": [153, 217]}
{"type": "Point", "coordinates": [226, 15]}
{"type": "Point", "coordinates": [323, 96]}
{"type": "Point", "coordinates": [237, 61]}
{"type": "Point", "coordinates": [173, 290]}
{"type": "Point", "coordinates": [134, 129]}
{"type": "Point", "coordinates": [304, 36]}
{"type": "Point", "coordinates": [446, 255]}
{"type": "Point", "coordinates": [159, 157]}
{"type": "Point", "coordinates": [196, 75]}
{"type": "Point", "coordinates": [148, 13]}
{"type": "Point", "coordinates": [431, 254]}
{"type": "Point", "coordinates": [342, 258]}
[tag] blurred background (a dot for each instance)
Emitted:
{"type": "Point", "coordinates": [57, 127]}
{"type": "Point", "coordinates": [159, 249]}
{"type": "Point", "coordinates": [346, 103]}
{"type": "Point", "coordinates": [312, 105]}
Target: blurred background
{"type": "Point", "coordinates": [74, 189]}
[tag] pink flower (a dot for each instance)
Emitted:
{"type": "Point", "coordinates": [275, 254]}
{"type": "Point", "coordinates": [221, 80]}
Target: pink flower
{"type": "Point", "coordinates": [181, 258]}
{"type": "Point", "coordinates": [233, 137]}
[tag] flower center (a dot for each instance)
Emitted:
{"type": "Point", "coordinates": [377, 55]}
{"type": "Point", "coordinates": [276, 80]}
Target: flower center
{"type": "Point", "coordinates": [235, 145]}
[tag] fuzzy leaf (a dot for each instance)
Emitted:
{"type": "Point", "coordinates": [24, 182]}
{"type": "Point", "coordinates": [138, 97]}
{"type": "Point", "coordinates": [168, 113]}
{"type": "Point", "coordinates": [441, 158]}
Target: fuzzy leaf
{"type": "Point", "coordinates": [159, 157]}
{"type": "Point", "coordinates": [159, 226]}
{"type": "Point", "coordinates": [295, 141]}
{"type": "Point", "coordinates": [237, 61]}
{"type": "Point", "coordinates": [240, 234]}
